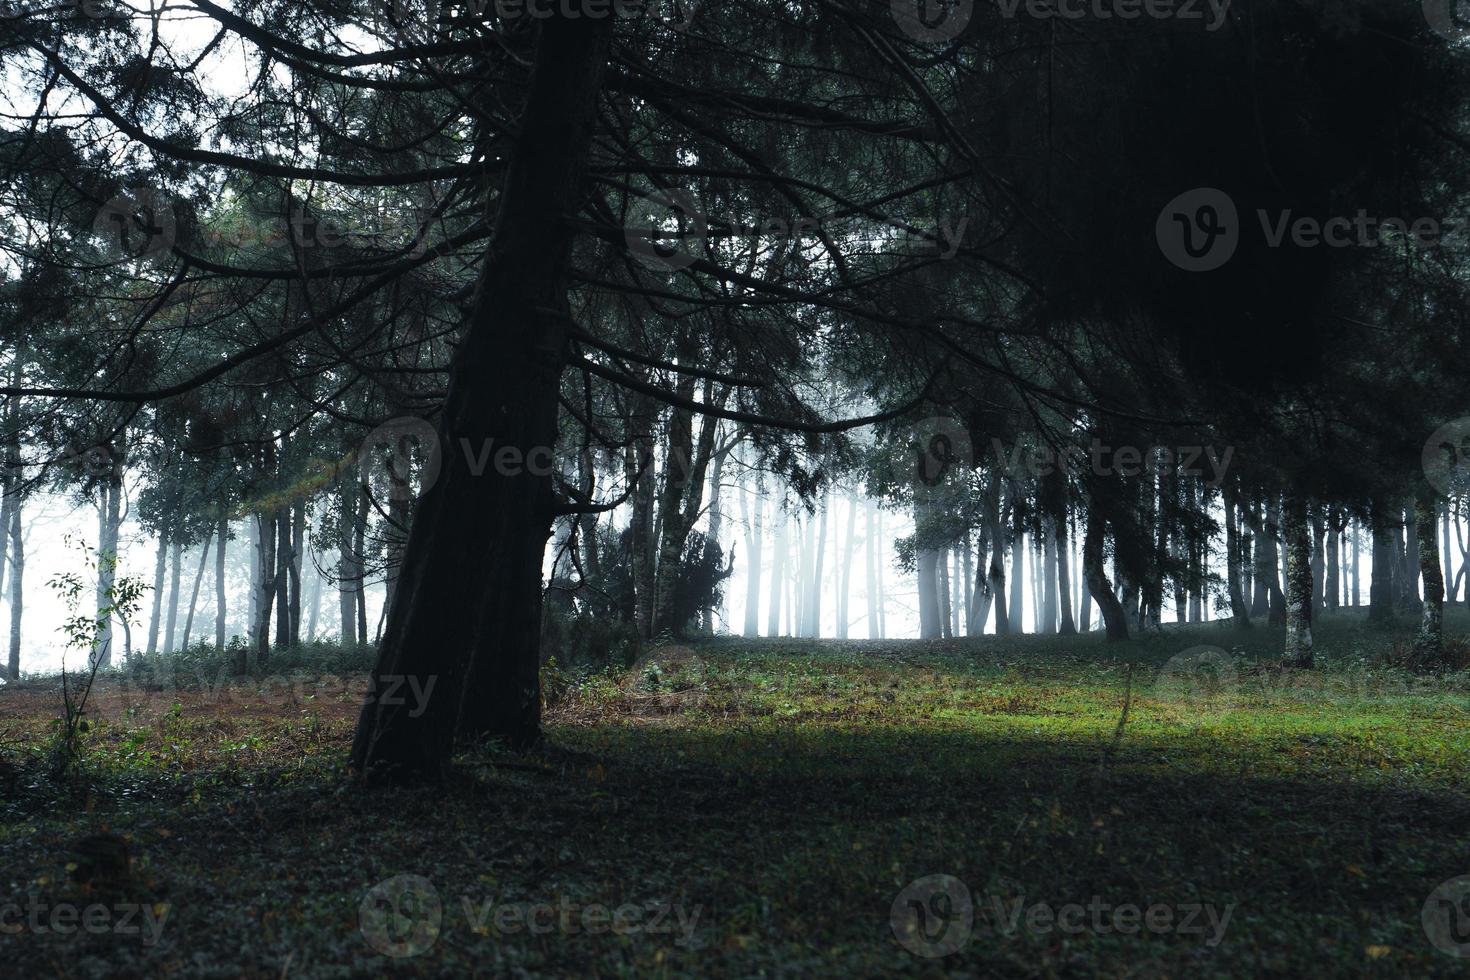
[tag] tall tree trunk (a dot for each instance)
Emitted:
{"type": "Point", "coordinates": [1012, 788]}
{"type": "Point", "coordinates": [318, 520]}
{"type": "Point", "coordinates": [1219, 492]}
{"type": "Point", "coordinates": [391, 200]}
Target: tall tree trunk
{"type": "Point", "coordinates": [982, 595]}
{"type": "Point", "coordinates": [1319, 547]}
{"type": "Point", "coordinates": [1068, 626]}
{"type": "Point", "coordinates": [222, 537]}
{"type": "Point", "coordinates": [930, 625]}
{"type": "Point", "coordinates": [475, 624]}
{"type": "Point", "coordinates": [1332, 588]}
{"type": "Point", "coordinates": [109, 520]}
{"type": "Point", "coordinates": [359, 549]}
{"type": "Point", "coordinates": [17, 585]}
{"type": "Point", "coordinates": [844, 570]}
{"type": "Point", "coordinates": [1408, 581]}
{"type": "Point", "coordinates": [265, 566]}
{"type": "Point", "coordinates": [194, 593]}
{"type": "Point", "coordinates": [753, 548]}
{"type": "Point", "coordinates": [174, 598]}
{"type": "Point", "coordinates": [1050, 576]}
{"type": "Point", "coordinates": [283, 577]}
{"type": "Point", "coordinates": [882, 593]}
{"type": "Point", "coordinates": [995, 528]}
{"type": "Point", "coordinates": [1115, 620]}
{"type": "Point", "coordinates": [298, 548]}
{"type": "Point", "coordinates": [1297, 537]}
{"type": "Point", "coordinates": [870, 580]}
{"type": "Point", "coordinates": [1429, 641]}
{"type": "Point", "coordinates": [160, 569]}
{"type": "Point", "coordinates": [1381, 590]}
{"type": "Point", "coordinates": [1239, 614]}
{"type": "Point", "coordinates": [942, 591]}
{"type": "Point", "coordinates": [1273, 559]}
{"type": "Point", "coordinates": [346, 563]}
{"type": "Point", "coordinates": [778, 571]}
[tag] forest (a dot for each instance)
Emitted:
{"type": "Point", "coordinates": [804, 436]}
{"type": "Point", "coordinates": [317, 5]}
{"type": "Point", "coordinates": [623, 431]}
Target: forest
{"type": "Point", "coordinates": [663, 488]}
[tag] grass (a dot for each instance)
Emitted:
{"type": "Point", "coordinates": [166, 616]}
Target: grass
{"type": "Point", "coordinates": [756, 808]}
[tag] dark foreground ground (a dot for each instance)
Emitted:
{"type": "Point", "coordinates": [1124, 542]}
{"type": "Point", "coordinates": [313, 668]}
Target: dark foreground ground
{"type": "Point", "coordinates": [776, 808]}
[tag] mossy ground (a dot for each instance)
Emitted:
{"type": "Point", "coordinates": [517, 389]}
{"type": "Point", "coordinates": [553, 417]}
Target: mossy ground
{"type": "Point", "coordinates": [779, 795]}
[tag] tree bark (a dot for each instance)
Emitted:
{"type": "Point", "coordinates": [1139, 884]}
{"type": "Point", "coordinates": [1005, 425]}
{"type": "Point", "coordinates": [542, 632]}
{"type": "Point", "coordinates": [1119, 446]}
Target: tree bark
{"type": "Point", "coordinates": [1429, 641]}
{"type": "Point", "coordinates": [222, 537]}
{"type": "Point", "coordinates": [160, 570]}
{"type": "Point", "coordinates": [1115, 620]}
{"type": "Point", "coordinates": [17, 585]}
{"type": "Point", "coordinates": [1299, 608]}
{"type": "Point", "coordinates": [194, 594]}
{"type": "Point", "coordinates": [174, 598]}
{"type": "Point", "coordinates": [1381, 588]}
{"type": "Point", "coordinates": [1239, 614]}
{"type": "Point", "coordinates": [473, 624]}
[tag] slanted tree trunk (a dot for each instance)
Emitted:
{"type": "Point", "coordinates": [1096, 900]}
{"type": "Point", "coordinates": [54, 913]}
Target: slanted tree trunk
{"type": "Point", "coordinates": [1115, 621]}
{"type": "Point", "coordinates": [471, 623]}
{"type": "Point", "coordinates": [1297, 538]}
{"type": "Point", "coordinates": [982, 596]}
{"type": "Point", "coordinates": [1429, 641]}
{"type": "Point", "coordinates": [194, 593]}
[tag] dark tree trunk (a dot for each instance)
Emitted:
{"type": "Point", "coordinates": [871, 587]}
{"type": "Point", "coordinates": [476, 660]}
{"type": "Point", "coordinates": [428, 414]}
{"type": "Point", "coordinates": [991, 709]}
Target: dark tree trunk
{"type": "Point", "coordinates": [1297, 538]}
{"type": "Point", "coordinates": [1381, 590]}
{"type": "Point", "coordinates": [1429, 641]}
{"type": "Point", "coordinates": [17, 582]}
{"type": "Point", "coordinates": [1114, 619]}
{"type": "Point", "coordinates": [1239, 614]}
{"type": "Point", "coordinates": [470, 624]}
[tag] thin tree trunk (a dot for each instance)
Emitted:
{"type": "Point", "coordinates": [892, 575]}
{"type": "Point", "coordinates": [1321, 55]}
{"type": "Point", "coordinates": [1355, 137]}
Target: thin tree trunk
{"type": "Point", "coordinates": [778, 572]}
{"type": "Point", "coordinates": [17, 585]}
{"type": "Point", "coordinates": [1381, 588]}
{"type": "Point", "coordinates": [844, 571]}
{"type": "Point", "coordinates": [174, 598]}
{"type": "Point", "coordinates": [194, 594]}
{"type": "Point", "coordinates": [160, 570]}
{"type": "Point", "coordinates": [753, 548]}
{"type": "Point", "coordinates": [222, 537]}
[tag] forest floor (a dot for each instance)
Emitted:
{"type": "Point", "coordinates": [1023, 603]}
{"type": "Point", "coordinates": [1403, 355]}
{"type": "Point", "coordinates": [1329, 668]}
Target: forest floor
{"type": "Point", "coordinates": [738, 808]}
